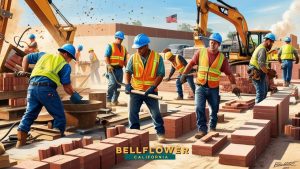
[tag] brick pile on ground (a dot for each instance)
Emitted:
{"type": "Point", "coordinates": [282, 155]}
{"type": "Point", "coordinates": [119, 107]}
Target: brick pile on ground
{"type": "Point", "coordinates": [112, 131]}
{"type": "Point", "coordinates": [242, 83]}
{"type": "Point", "coordinates": [293, 130]}
{"type": "Point", "coordinates": [237, 106]}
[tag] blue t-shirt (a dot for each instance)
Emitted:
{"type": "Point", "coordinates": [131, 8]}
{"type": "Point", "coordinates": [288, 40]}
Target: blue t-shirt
{"type": "Point", "coordinates": [160, 70]}
{"type": "Point", "coordinates": [64, 73]}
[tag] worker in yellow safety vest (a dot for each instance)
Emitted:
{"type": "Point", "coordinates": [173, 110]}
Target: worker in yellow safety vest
{"type": "Point", "coordinates": [286, 57]}
{"type": "Point", "coordinates": [210, 63]}
{"type": "Point", "coordinates": [95, 65]}
{"type": "Point", "coordinates": [144, 72]}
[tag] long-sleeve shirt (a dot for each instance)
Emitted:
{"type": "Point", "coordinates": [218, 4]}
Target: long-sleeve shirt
{"type": "Point", "coordinates": [182, 60]}
{"type": "Point", "coordinates": [64, 73]}
{"type": "Point", "coordinates": [262, 58]}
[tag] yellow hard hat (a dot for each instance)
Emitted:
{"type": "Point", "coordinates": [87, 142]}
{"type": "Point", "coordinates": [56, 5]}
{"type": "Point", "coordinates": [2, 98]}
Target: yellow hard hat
{"type": "Point", "coordinates": [168, 55]}
{"type": "Point", "coordinates": [91, 49]}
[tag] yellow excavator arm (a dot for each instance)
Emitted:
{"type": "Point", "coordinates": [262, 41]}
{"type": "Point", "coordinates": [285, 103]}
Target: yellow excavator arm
{"type": "Point", "coordinates": [4, 16]}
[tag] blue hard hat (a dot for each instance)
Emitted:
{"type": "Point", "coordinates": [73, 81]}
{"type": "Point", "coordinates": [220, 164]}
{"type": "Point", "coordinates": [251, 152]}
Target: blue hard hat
{"type": "Point", "coordinates": [31, 36]}
{"type": "Point", "coordinates": [119, 35]}
{"type": "Point", "coordinates": [216, 37]}
{"type": "Point", "coordinates": [69, 48]}
{"type": "Point", "coordinates": [270, 36]}
{"type": "Point", "coordinates": [80, 47]}
{"type": "Point", "coordinates": [140, 40]}
{"type": "Point", "coordinates": [287, 39]}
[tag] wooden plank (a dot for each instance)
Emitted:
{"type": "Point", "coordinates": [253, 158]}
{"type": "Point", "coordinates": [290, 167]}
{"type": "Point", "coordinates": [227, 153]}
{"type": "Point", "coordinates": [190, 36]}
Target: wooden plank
{"type": "Point", "coordinates": [13, 94]}
{"type": "Point", "coordinates": [9, 113]}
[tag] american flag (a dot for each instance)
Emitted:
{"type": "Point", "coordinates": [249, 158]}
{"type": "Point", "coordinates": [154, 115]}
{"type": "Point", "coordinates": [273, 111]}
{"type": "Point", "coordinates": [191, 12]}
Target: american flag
{"type": "Point", "coordinates": [172, 18]}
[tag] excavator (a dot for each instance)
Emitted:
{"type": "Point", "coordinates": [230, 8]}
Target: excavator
{"type": "Point", "coordinates": [244, 41]}
{"type": "Point", "coordinates": [42, 9]}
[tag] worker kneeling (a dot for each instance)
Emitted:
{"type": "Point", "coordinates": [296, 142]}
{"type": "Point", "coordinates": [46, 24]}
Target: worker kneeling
{"type": "Point", "coordinates": [49, 72]}
{"type": "Point", "coordinates": [144, 71]}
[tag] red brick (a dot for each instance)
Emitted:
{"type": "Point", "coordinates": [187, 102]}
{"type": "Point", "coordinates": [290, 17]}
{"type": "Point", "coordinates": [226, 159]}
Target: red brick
{"type": "Point", "coordinates": [55, 150]}
{"type": "Point", "coordinates": [296, 121]}
{"type": "Point", "coordinates": [117, 142]}
{"type": "Point", "coordinates": [173, 126]}
{"type": "Point", "coordinates": [111, 132]}
{"type": "Point", "coordinates": [193, 124]}
{"type": "Point", "coordinates": [221, 118]}
{"type": "Point", "coordinates": [77, 143]}
{"type": "Point", "coordinates": [210, 148]}
{"type": "Point", "coordinates": [44, 153]}
{"type": "Point", "coordinates": [186, 120]}
{"type": "Point", "coordinates": [86, 140]}
{"type": "Point", "coordinates": [134, 140]}
{"type": "Point", "coordinates": [231, 110]}
{"type": "Point", "coordinates": [238, 155]}
{"type": "Point", "coordinates": [31, 165]}
{"type": "Point", "coordinates": [67, 147]}
{"type": "Point", "coordinates": [89, 159]}
{"type": "Point", "coordinates": [120, 129]}
{"type": "Point", "coordinates": [17, 59]}
{"type": "Point", "coordinates": [106, 154]}
{"type": "Point", "coordinates": [287, 130]}
{"type": "Point", "coordinates": [63, 162]}
{"type": "Point", "coordinates": [143, 134]}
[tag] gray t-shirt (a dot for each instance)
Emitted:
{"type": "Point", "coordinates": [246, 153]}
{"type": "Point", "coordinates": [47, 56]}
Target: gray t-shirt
{"type": "Point", "coordinates": [262, 57]}
{"type": "Point", "coordinates": [33, 45]}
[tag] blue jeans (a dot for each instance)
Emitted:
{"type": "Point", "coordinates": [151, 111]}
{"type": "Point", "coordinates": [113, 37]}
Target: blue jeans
{"type": "Point", "coordinates": [37, 97]}
{"type": "Point", "coordinates": [213, 98]}
{"type": "Point", "coordinates": [261, 88]}
{"type": "Point", "coordinates": [287, 67]}
{"type": "Point", "coordinates": [190, 80]}
{"type": "Point", "coordinates": [112, 91]}
{"type": "Point", "coordinates": [135, 104]}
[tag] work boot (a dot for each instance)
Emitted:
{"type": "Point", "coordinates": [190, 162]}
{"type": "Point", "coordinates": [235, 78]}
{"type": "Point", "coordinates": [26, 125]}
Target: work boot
{"type": "Point", "coordinates": [22, 138]}
{"type": "Point", "coordinates": [178, 98]}
{"type": "Point", "coordinates": [161, 138]}
{"type": "Point", "coordinates": [200, 134]}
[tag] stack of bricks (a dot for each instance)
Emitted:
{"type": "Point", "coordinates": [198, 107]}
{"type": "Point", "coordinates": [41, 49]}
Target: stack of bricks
{"type": "Point", "coordinates": [134, 140]}
{"type": "Point", "coordinates": [17, 102]}
{"type": "Point", "coordinates": [89, 159]}
{"type": "Point", "coordinates": [242, 83]}
{"type": "Point", "coordinates": [143, 136]}
{"type": "Point", "coordinates": [294, 129]}
{"type": "Point", "coordinates": [255, 132]}
{"type": "Point", "coordinates": [117, 142]}
{"type": "Point", "coordinates": [193, 119]}
{"type": "Point", "coordinates": [173, 126]}
{"type": "Point", "coordinates": [237, 106]}
{"type": "Point", "coordinates": [113, 131]}
{"type": "Point", "coordinates": [30, 164]}
{"type": "Point", "coordinates": [210, 145]}
{"type": "Point", "coordinates": [276, 109]}
{"type": "Point", "coordinates": [14, 63]}
{"type": "Point", "coordinates": [277, 67]}
{"type": "Point", "coordinates": [8, 82]}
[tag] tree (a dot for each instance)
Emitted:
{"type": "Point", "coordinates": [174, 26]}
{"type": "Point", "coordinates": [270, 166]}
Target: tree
{"type": "Point", "coordinates": [185, 27]}
{"type": "Point", "coordinates": [230, 35]}
{"type": "Point", "coordinates": [137, 23]}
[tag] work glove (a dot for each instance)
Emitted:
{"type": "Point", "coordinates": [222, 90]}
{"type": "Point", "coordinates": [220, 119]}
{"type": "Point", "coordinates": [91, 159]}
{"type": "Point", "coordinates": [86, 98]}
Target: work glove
{"type": "Point", "coordinates": [21, 74]}
{"type": "Point", "coordinates": [271, 73]}
{"type": "Point", "coordinates": [167, 79]}
{"type": "Point", "coordinates": [150, 90]}
{"type": "Point", "coordinates": [183, 78]}
{"type": "Point", "coordinates": [297, 60]}
{"type": "Point", "coordinates": [128, 88]}
{"type": "Point", "coordinates": [110, 68]}
{"type": "Point", "coordinates": [236, 91]}
{"type": "Point", "coordinates": [76, 98]}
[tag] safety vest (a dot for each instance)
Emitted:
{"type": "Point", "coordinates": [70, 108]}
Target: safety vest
{"type": "Point", "coordinates": [254, 61]}
{"type": "Point", "coordinates": [210, 74]}
{"type": "Point", "coordinates": [49, 65]}
{"type": "Point", "coordinates": [178, 65]}
{"type": "Point", "coordinates": [144, 75]}
{"type": "Point", "coordinates": [287, 52]}
{"type": "Point", "coordinates": [94, 58]}
{"type": "Point", "coordinates": [117, 57]}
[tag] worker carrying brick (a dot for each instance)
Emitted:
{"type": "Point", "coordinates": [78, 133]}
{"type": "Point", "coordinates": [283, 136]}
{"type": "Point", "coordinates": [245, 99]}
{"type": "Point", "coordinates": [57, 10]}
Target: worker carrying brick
{"type": "Point", "coordinates": [95, 65]}
{"type": "Point", "coordinates": [210, 63]}
{"type": "Point", "coordinates": [78, 70]}
{"type": "Point", "coordinates": [50, 71]}
{"type": "Point", "coordinates": [145, 71]}
{"type": "Point", "coordinates": [285, 57]}
{"type": "Point", "coordinates": [178, 64]}
{"type": "Point", "coordinates": [32, 46]}
{"type": "Point", "coordinates": [260, 66]}
{"type": "Point", "coordinates": [115, 58]}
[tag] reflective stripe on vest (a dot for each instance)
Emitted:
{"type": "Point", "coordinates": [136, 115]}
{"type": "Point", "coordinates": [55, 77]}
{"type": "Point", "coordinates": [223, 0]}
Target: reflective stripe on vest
{"type": "Point", "coordinates": [117, 56]}
{"type": "Point", "coordinates": [178, 65]}
{"type": "Point", "coordinates": [287, 52]}
{"type": "Point", "coordinates": [211, 74]}
{"type": "Point", "coordinates": [254, 61]}
{"type": "Point", "coordinates": [49, 65]}
{"type": "Point", "coordinates": [144, 75]}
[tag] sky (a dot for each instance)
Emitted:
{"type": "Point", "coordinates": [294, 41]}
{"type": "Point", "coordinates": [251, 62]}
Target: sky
{"type": "Point", "coordinates": [259, 14]}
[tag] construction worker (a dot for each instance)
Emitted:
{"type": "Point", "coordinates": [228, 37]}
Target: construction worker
{"type": "Point", "coordinates": [145, 71]}
{"type": "Point", "coordinates": [94, 66]}
{"type": "Point", "coordinates": [285, 57]}
{"type": "Point", "coordinates": [259, 65]}
{"type": "Point", "coordinates": [115, 58]}
{"type": "Point", "coordinates": [32, 47]}
{"type": "Point", "coordinates": [50, 71]}
{"type": "Point", "coordinates": [210, 63]}
{"type": "Point", "coordinates": [178, 64]}
{"type": "Point", "coordinates": [78, 55]}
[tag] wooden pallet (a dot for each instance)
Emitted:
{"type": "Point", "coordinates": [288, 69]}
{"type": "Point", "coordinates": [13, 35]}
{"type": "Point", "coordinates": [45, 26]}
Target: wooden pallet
{"type": "Point", "coordinates": [9, 113]}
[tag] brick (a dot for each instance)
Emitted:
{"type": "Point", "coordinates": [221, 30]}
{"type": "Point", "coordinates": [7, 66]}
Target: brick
{"type": "Point", "coordinates": [267, 128]}
{"type": "Point", "coordinates": [295, 133]}
{"type": "Point", "coordinates": [86, 140]}
{"type": "Point", "coordinates": [77, 143]}
{"type": "Point", "coordinates": [186, 120]}
{"type": "Point", "coordinates": [44, 153]}
{"type": "Point", "coordinates": [106, 154]}
{"type": "Point", "coordinates": [111, 132]}
{"type": "Point", "coordinates": [193, 119]}
{"type": "Point", "coordinates": [173, 126]}
{"type": "Point", "coordinates": [221, 118]}
{"type": "Point", "coordinates": [296, 121]}
{"type": "Point", "coordinates": [67, 147]}
{"type": "Point", "coordinates": [238, 155]}
{"type": "Point", "coordinates": [287, 130]}
{"type": "Point", "coordinates": [117, 142]}
{"type": "Point", "coordinates": [89, 159]}
{"type": "Point", "coordinates": [209, 136]}
{"type": "Point", "coordinates": [63, 162]}
{"type": "Point", "coordinates": [120, 129]}
{"type": "Point", "coordinates": [143, 134]}
{"type": "Point", "coordinates": [231, 110]}
{"type": "Point", "coordinates": [31, 165]}
{"type": "Point", "coordinates": [56, 149]}
{"type": "Point", "coordinates": [134, 140]}
{"type": "Point", "coordinates": [209, 148]}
